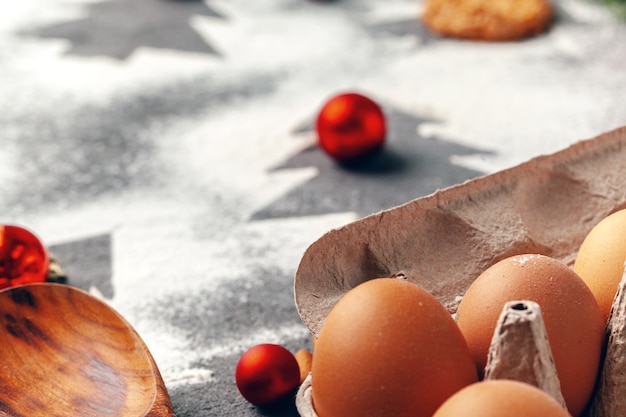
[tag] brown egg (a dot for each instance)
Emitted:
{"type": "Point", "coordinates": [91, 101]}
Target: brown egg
{"type": "Point", "coordinates": [600, 259]}
{"type": "Point", "coordinates": [499, 398]}
{"type": "Point", "coordinates": [388, 348]}
{"type": "Point", "coordinates": [572, 318]}
{"type": "Point", "coordinates": [304, 359]}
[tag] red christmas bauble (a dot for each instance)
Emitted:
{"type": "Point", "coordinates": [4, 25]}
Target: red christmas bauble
{"type": "Point", "coordinates": [266, 373]}
{"type": "Point", "coordinates": [350, 126]}
{"type": "Point", "coordinates": [23, 257]}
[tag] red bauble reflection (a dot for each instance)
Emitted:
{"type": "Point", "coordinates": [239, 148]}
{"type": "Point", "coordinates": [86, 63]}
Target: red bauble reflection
{"type": "Point", "coordinates": [350, 126]}
{"type": "Point", "coordinates": [23, 258]}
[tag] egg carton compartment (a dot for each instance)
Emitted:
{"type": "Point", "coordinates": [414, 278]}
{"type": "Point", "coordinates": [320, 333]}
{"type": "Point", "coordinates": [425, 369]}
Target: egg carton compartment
{"type": "Point", "coordinates": [444, 241]}
{"type": "Point", "coordinates": [532, 361]}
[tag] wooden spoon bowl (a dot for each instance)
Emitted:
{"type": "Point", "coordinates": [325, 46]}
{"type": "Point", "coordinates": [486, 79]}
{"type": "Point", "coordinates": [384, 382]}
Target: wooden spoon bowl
{"type": "Point", "coordinates": [66, 353]}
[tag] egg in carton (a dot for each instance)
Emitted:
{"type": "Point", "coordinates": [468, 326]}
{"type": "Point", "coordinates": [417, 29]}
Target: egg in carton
{"type": "Point", "coordinates": [444, 241]}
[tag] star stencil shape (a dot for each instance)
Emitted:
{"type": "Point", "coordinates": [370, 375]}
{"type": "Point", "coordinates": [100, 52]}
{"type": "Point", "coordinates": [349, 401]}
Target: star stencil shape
{"type": "Point", "coordinates": [410, 166]}
{"type": "Point", "coordinates": [88, 263]}
{"type": "Point", "coordinates": [117, 28]}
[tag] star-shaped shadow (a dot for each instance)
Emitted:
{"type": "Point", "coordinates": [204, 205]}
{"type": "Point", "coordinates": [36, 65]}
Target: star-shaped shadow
{"type": "Point", "coordinates": [408, 25]}
{"type": "Point", "coordinates": [87, 263]}
{"type": "Point", "coordinates": [402, 28]}
{"type": "Point", "coordinates": [410, 166]}
{"type": "Point", "coordinates": [116, 28]}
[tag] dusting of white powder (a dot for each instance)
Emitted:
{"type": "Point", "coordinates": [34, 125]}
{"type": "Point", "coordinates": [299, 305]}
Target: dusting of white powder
{"type": "Point", "coordinates": [523, 259]}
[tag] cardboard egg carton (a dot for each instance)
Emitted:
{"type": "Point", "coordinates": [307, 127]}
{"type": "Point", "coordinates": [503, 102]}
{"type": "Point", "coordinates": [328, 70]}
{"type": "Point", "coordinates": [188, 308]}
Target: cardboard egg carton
{"type": "Point", "coordinates": [445, 240]}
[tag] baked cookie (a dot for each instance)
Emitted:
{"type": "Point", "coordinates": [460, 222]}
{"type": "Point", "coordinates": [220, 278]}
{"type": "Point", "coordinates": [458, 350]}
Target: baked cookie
{"type": "Point", "coordinates": [487, 20]}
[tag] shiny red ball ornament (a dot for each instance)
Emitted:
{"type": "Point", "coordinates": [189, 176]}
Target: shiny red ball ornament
{"type": "Point", "coordinates": [350, 126]}
{"type": "Point", "coordinates": [266, 374]}
{"type": "Point", "coordinates": [23, 257]}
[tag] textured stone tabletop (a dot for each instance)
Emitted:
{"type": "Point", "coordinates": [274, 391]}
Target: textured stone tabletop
{"type": "Point", "coordinates": [164, 150]}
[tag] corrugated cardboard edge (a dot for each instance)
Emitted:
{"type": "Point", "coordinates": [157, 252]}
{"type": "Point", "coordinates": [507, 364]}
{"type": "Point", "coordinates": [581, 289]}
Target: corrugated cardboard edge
{"type": "Point", "coordinates": [304, 399]}
{"type": "Point", "coordinates": [530, 361]}
{"type": "Point", "coordinates": [610, 400]}
{"type": "Point", "coordinates": [445, 240]}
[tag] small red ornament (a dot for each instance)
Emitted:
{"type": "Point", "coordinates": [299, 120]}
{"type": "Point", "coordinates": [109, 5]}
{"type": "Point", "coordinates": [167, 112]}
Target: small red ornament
{"type": "Point", "coordinates": [350, 126]}
{"type": "Point", "coordinates": [266, 373]}
{"type": "Point", "coordinates": [23, 257]}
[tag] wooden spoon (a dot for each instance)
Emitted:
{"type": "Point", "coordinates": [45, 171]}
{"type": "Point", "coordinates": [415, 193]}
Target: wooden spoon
{"type": "Point", "coordinates": [66, 353]}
